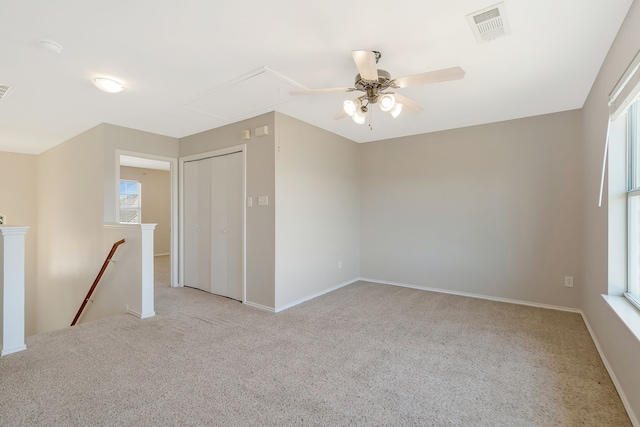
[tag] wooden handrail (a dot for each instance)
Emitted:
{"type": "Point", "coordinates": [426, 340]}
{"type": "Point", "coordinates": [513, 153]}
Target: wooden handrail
{"type": "Point", "coordinates": [95, 282]}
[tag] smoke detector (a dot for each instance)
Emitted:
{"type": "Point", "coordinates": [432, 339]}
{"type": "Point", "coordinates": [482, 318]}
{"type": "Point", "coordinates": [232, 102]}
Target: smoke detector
{"type": "Point", "coordinates": [489, 23]}
{"type": "Point", "coordinates": [5, 91]}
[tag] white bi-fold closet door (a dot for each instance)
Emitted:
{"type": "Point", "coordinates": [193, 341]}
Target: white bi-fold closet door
{"type": "Point", "coordinates": [213, 203]}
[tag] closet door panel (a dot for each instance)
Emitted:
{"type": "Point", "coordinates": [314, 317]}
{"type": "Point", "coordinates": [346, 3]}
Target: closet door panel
{"type": "Point", "coordinates": [219, 232]}
{"type": "Point", "coordinates": [191, 234]}
{"type": "Point", "coordinates": [213, 211]}
{"type": "Point", "coordinates": [204, 225]}
{"type": "Point", "coordinates": [235, 206]}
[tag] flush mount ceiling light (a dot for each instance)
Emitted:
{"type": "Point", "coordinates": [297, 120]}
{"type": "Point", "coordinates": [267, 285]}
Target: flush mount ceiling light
{"type": "Point", "coordinates": [51, 46]}
{"type": "Point", "coordinates": [108, 85]}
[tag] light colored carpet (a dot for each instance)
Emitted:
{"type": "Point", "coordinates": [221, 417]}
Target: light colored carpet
{"type": "Point", "coordinates": [162, 271]}
{"type": "Point", "coordinates": [365, 354]}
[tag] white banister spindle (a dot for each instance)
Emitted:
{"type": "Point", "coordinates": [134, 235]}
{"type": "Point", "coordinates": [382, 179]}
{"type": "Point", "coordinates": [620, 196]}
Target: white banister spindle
{"type": "Point", "coordinates": [12, 321]}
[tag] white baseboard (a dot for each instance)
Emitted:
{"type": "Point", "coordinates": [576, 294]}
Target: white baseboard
{"type": "Point", "coordinates": [614, 379]}
{"type": "Point", "coordinates": [6, 351]}
{"type": "Point", "coordinates": [259, 306]}
{"type": "Point", "coordinates": [317, 294]}
{"type": "Point", "coordinates": [139, 315]}
{"type": "Point", "coordinates": [470, 295]}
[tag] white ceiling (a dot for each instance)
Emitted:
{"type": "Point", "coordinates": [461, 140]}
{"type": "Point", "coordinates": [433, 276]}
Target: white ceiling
{"type": "Point", "coordinates": [180, 59]}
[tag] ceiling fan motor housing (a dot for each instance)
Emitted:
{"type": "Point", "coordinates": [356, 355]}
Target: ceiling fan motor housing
{"type": "Point", "coordinates": [373, 88]}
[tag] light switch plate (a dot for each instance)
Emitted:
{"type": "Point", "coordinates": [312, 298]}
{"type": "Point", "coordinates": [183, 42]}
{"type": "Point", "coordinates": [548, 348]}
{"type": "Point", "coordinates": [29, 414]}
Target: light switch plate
{"type": "Point", "coordinates": [263, 200]}
{"type": "Point", "coordinates": [249, 201]}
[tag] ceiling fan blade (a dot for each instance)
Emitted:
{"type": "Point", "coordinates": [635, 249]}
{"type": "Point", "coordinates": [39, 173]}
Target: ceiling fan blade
{"type": "Point", "coordinates": [366, 64]}
{"type": "Point", "coordinates": [444, 75]}
{"type": "Point", "coordinates": [317, 91]}
{"type": "Point", "coordinates": [407, 105]}
{"type": "Point", "coordinates": [340, 115]}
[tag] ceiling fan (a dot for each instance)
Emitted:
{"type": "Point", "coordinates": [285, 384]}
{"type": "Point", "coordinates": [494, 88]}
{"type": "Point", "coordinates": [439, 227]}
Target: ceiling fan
{"type": "Point", "coordinates": [377, 86]}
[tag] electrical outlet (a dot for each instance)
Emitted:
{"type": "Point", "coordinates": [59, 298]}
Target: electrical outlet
{"type": "Point", "coordinates": [568, 281]}
{"type": "Point", "coordinates": [340, 264]}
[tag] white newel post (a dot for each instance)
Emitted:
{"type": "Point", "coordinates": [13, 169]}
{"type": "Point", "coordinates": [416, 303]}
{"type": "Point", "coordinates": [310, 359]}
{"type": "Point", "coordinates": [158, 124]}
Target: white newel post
{"type": "Point", "coordinates": [147, 308]}
{"type": "Point", "coordinates": [12, 289]}
{"type": "Point", "coordinates": [130, 282]}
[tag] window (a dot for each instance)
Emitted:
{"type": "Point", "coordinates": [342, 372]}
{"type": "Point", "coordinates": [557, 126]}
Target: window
{"type": "Point", "coordinates": [633, 203]}
{"type": "Point", "coordinates": [130, 203]}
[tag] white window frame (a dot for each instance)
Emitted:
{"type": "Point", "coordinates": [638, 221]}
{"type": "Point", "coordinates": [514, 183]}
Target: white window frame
{"type": "Point", "coordinates": [138, 209]}
{"type": "Point", "coordinates": [633, 195]}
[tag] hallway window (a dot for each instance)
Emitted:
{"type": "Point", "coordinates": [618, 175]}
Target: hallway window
{"type": "Point", "coordinates": [130, 203]}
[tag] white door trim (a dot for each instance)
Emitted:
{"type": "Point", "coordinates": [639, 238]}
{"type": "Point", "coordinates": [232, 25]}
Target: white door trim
{"type": "Point", "coordinates": [173, 162]}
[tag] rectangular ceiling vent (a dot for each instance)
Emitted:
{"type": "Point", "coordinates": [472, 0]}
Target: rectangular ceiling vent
{"type": "Point", "coordinates": [5, 91]}
{"type": "Point", "coordinates": [489, 23]}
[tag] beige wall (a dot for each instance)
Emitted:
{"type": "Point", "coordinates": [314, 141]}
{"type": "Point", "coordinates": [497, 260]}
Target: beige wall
{"type": "Point", "coordinates": [156, 203]}
{"type": "Point", "coordinates": [317, 210]}
{"type": "Point", "coordinates": [18, 201]}
{"type": "Point", "coordinates": [70, 213]}
{"type": "Point", "coordinates": [619, 345]}
{"type": "Point", "coordinates": [260, 181]}
{"type": "Point", "coordinates": [493, 210]}
{"type": "Point", "coordinates": [76, 193]}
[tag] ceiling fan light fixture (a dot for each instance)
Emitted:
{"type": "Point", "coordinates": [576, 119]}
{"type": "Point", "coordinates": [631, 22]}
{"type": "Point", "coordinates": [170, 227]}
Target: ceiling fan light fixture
{"type": "Point", "coordinates": [380, 88]}
{"type": "Point", "coordinates": [108, 85]}
{"type": "Point", "coordinates": [350, 106]}
{"type": "Point", "coordinates": [396, 110]}
{"type": "Point", "coordinates": [360, 116]}
{"type": "Point", "coordinates": [387, 102]}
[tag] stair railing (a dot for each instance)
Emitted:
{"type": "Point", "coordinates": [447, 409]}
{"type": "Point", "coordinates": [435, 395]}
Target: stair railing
{"type": "Point", "coordinates": [95, 282]}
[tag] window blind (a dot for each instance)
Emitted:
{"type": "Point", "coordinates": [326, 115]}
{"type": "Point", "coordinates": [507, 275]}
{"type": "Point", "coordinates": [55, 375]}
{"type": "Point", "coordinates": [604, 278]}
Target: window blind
{"type": "Point", "coordinates": [626, 90]}
{"type": "Point", "coordinates": [623, 94]}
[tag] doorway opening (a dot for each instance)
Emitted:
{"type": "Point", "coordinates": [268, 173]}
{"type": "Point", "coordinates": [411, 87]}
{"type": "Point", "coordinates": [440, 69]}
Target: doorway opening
{"type": "Point", "coordinates": [154, 201]}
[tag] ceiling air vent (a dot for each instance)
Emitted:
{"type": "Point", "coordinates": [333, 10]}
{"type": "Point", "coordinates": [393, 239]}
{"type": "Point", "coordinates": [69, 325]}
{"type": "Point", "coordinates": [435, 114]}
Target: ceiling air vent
{"type": "Point", "coordinates": [490, 23]}
{"type": "Point", "coordinates": [5, 91]}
